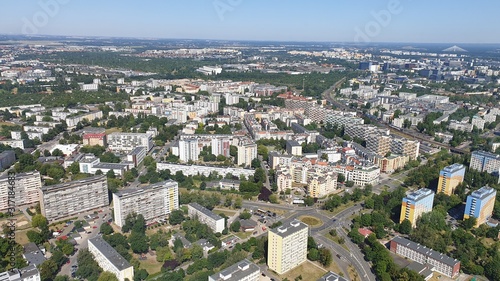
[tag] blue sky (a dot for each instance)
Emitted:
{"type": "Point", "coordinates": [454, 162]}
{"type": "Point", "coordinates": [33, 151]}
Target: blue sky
{"type": "Point", "coordinates": [423, 21]}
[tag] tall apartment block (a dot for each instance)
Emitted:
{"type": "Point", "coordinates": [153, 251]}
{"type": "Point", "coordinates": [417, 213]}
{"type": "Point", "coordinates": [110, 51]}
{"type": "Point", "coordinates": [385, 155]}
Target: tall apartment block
{"type": "Point", "coordinates": [26, 187]}
{"type": "Point", "coordinates": [110, 260]}
{"type": "Point", "coordinates": [415, 204]}
{"type": "Point", "coordinates": [189, 149]}
{"type": "Point", "coordinates": [204, 215]}
{"type": "Point", "coordinates": [406, 147]}
{"type": "Point", "coordinates": [152, 202]}
{"type": "Point", "coordinates": [247, 151]}
{"type": "Point", "coordinates": [449, 178]}
{"type": "Point", "coordinates": [480, 204]}
{"type": "Point", "coordinates": [221, 146]}
{"type": "Point", "coordinates": [484, 161]}
{"type": "Point", "coordinates": [71, 198]}
{"type": "Point", "coordinates": [287, 246]}
{"type": "Point", "coordinates": [242, 271]}
{"type": "Point", "coordinates": [126, 142]}
{"type": "Point", "coordinates": [378, 143]}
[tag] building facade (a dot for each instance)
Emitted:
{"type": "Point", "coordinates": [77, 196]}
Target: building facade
{"type": "Point", "coordinates": [153, 202]}
{"type": "Point", "coordinates": [287, 246]}
{"type": "Point", "coordinates": [137, 155]}
{"type": "Point", "coordinates": [189, 149]}
{"type": "Point", "coordinates": [484, 161]}
{"type": "Point", "coordinates": [29, 273]}
{"type": "Point", "coordinates": [423, 255]}
{"type": "Point", "coordinates": [204, 215]}
{"type": "Point", "coordinates": [241, 271]}
{"type": "Point", "coordinates": [247, 151]}
{"type": "Point", "coordinates": [110, 260]}
{"type": "Point", "coordinates": [95, 139]}
{"type": "Point", "coordinates": [71, 198]}
{"type": "Point", "coordinates": [7, 158]}
{"type": "Point", "coordinates": [126, 142]}
{"type": "Point", "coordinates": [480, 204]}
{"type": "Point", "coordinates": [26, 188]}
{"type": "Point", "coordinates": [415, 204]}
{"type": "Point", "coordinates": [450, 177]}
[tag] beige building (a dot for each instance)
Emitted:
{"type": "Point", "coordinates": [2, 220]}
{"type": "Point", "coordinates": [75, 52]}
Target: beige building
{"type": "Point", "coordinates": [320, 186]}
{"type": "Point", "coordinates": [153, 202]}
{"type": "Point", "coordinates": [287, 246]}
{"type": "Point", "coordinates": [26, 188]}
{"type": "Point", "coordinates": [380, 144]}
{"type": "Point", "coordinates": [247, 151]}
{"type": "Point", "coordinates": [110, 260]}
{"type": "Point", "coordinates": [71, 198]}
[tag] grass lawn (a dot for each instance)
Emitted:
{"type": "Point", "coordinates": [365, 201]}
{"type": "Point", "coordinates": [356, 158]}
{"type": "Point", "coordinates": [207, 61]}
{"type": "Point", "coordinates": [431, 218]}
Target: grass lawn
{"type": "Point", "coordinates": [333, 267]}
{"type": "Point", "coordinates": [311, 221]}
{"type": "Point", "coordinates": [353, 275]}
{"type": "Point", "coordinates": [113, 130]}
{"type": "Point", "coordinates": [21, 237]}
{"type": "Point", "coordinates": [151, 265]}
{"type": "Point", "coordinates": [6, 123]}
{"type": "Point", "coordinates": [226, 212]}
{"type": "Point", "coordinates": [336, 240]}
{"type": "Point", "coordinates": [308, 271]}
{"type": "Point", "coordinates": [243, 235]}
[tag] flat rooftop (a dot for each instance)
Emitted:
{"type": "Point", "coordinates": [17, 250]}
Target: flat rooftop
{"type": "Point", "coordinates": [111, 254]}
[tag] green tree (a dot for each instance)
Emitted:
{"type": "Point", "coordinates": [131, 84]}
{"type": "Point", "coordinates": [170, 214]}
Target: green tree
{"type": "Point", "coordinates": [140, 275]}
{"type": "Point", "coordinates": [107, 276]}
{"type": "Point", "coordinates": [74, 168]}
{"type": "Point", "coordinates": [106, 229]}
{"type": "Point", "coordinates": [48, 270]}
{"type": "Point", "coordinates": [405, 227]}
{"type": "Point", "coordinates": [39, 221]}
{"type": "Point", "coordinates": [196, 252]}
{"type": "Point", "coordinates": [176, 217]}
{"type": "Point", "coordinates": [235, 226]}
{"type": "Point", "coordinates": [340, 178]}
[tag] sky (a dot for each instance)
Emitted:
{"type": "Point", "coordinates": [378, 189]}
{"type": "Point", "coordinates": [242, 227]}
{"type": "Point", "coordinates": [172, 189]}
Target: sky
{"type": "Point", "coordinates": [412, 21]}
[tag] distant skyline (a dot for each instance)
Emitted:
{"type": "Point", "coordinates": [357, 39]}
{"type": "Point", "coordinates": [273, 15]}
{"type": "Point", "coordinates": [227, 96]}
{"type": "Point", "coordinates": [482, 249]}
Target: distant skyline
{"type": "Point", "coordinates": [423, 21]}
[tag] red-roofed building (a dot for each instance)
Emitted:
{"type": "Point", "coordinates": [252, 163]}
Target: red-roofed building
{"type": "Point", "coordinates": [95, 139]}
{"type": "Point", "coordinates": [365, 232]}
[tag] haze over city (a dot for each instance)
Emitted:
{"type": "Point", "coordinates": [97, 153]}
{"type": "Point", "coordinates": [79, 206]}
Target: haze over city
{"type": "Point", "coordinates": [425, 21]}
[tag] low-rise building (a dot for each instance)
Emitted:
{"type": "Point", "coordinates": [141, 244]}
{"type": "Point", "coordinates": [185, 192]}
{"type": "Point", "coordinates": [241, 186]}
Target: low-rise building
{"type": "Point", "coordinates": [29, 273]}
{"type": "Point", "coordinates": [95, 139]}
{"type": "Point", "coordinates": [423, 255]}
{"type": "Point", "coordinates": [204, 215]}
{"type": "Point", "coordinates": [241, 271]}
{"type": "Point", "coordinates": [331, 276]}
{"type": "Point", "coordinates": [137, 155]}
{"type": "Point", "coordinates": [110, 260]}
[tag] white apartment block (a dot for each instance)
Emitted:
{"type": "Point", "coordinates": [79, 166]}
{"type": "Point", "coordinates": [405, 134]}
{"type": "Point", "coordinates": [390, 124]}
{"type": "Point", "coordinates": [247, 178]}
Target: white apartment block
{"type": "Point", "coordinates": [39, 129]}
{"type": "Point", "coordinates": [90, 116]}
{"type": "Point", "coordinates": [126, 142]}
{"type": "Point", "coordinates": [221, 146]}
{"type": "Point", "coordinates": [241, 271]}
{"type": "Point", "coordinates": [406, 147]}
{"type": "Point", "coordinates": [287, 246]}
{"type": "Point", "coordinates": [26, 188]}
{"type": "Point", "coordinates": [189, 149]}
{"type": "Point", "coordinates": [110, 260]}
{"type": "Point", "coordinates": [13, 143]}
{"type": "Point", "coordinates": [153, 202]}
{"type": "Point", "coordinates": [478, 122]}
{"type": "Point", "coordinates": [89, 87]}
{"type": "Point", "coordinates": [247, 151]}
{"type": "Point", "coordinates": [71, 198]}
{"type": "Point", "coordinates": [29, 273]}
{"type": "Point", "coordinates": [204, 215]}
{"type": "Point", "coordinates": [191, 170]}
{"type": "Point", "coordinates": [137, 155]}
{"type": "Point", "coordinates": [284, 181]}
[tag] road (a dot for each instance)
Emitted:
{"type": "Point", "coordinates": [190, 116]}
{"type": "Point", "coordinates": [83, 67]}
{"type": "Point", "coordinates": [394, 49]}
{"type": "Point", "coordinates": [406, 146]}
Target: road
{"type": "Point", "coordinates": [83, 242]}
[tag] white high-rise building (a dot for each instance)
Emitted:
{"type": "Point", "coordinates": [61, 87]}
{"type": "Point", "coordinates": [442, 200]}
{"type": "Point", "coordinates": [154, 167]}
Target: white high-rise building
{"type": "Point", "coordinates": [287, 246]}
{"type": "Point", "coordinates": [26, 188]}
{"type": "Point", "coordinates": [126, 142]}
{"type": "Point", "coordinates": [189, 149]}
{"type": "Point", "coordinates": [247, 151]}
{"type": "Point", "coordinates": [221, 146]}
{"type": "Point", "coordinates": [153, 202]}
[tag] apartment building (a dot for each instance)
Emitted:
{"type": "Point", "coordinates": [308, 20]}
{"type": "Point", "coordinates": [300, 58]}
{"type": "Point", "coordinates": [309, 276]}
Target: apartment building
{"type": "Point", "coordinates": [318, 187]}
{"type": "Point", "coordinates": [284, 181]}
{"type": "Point", "coordinates": [423, 255]}
{"type": "Point", "coordinates": [247, 151]}
{"type": "Point", "coordinates": [26, 188]}
{"type": "Point", "coordinates": [71, 198]}
{"type": "Point", "coordinates": [241, 271]}
{"type": "Point", "coordinates": [449, 178]}
{"type": "Point", "coordinates": [484, 161]}
{"type": "Point", "coordinates": [406, 147]}
{"type": "Point", "coordinates": [189, 149]}
{"type": "Point", "coordinates": [191, 170]}
{"type": "Point", "coordinates": [480, 204]}
{"type": "Point", "coordinates": [110, 260]}
{"type": "Point", "coordinates": [137, 155]}
{"type": "Point", "coordinates": [378, 143]}
{"type": "Point", "coordinates": [204, 215]}
{"type": "Point", "coordinates": [389, 164]}
{"type": "Point", "coordinates": [72, 122]}
{"type": "Point", "coordinates": [415, 204]}
{"type": "Point", "coordinates": [276, 159]}
{"type": "Point", "coordinates": [29, 273]}
{"type": "Point", "coordinates": [293, 148]}
{"type": "Point", "coordinates": [287, 246]}
{"type": "Point", "coordinates": [343, 120]}
{"type": "Point", "coordinates": [95, 139]}
{"type": "Point", "coordinates": [362, 175]}
{"type": "Point", "coordinates": [126, 142]}
{"type": "Point", "coordinates": [221, 146]}
{"type": "Point", "coordinates": [153, 202]}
